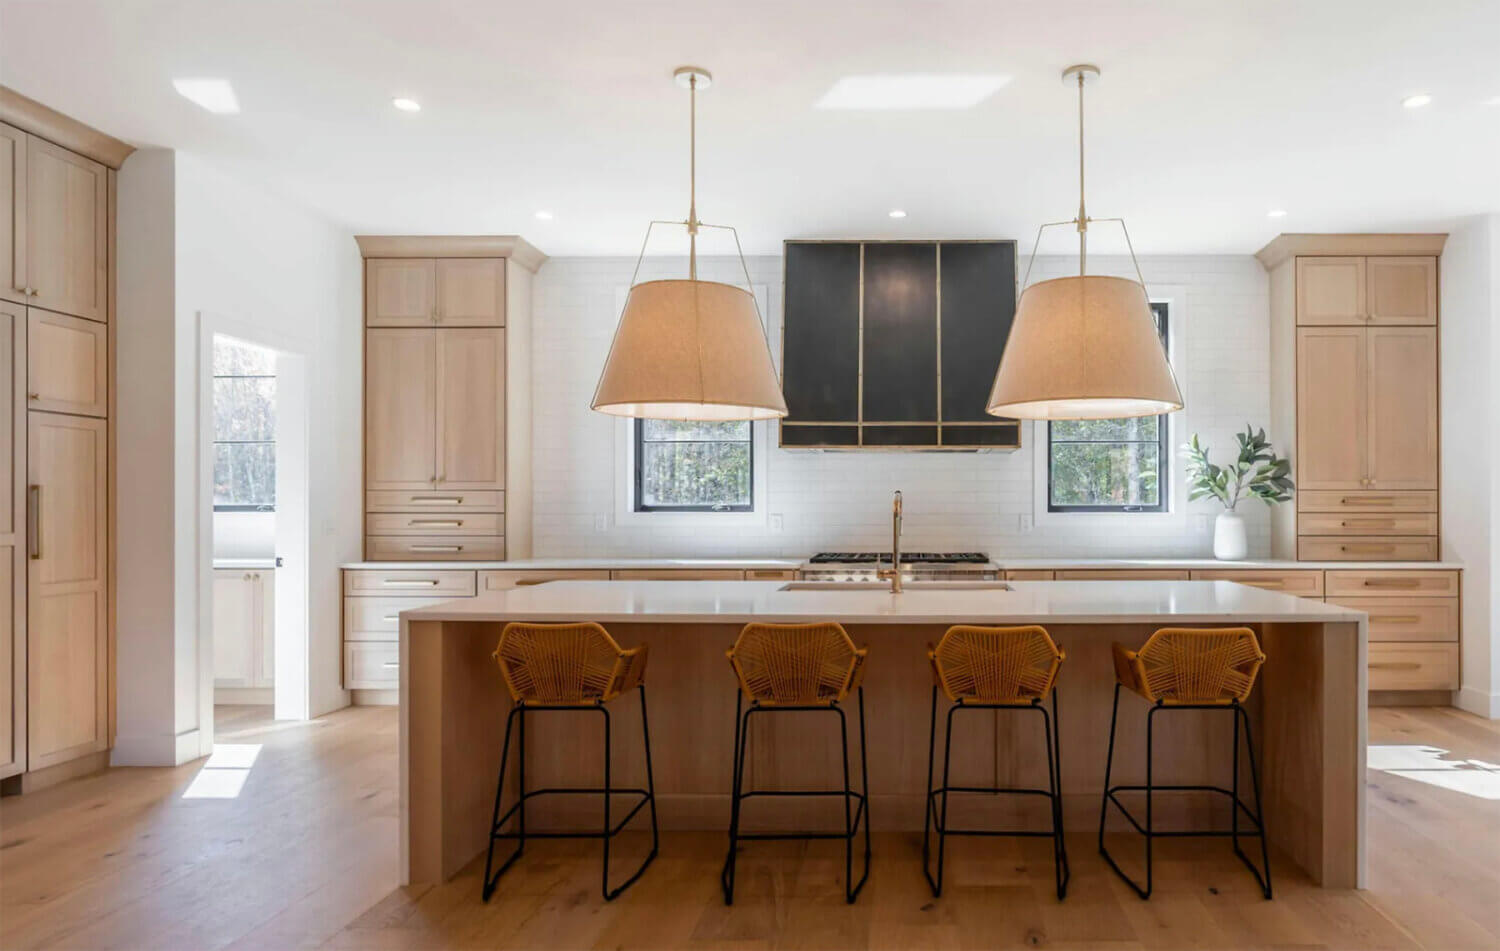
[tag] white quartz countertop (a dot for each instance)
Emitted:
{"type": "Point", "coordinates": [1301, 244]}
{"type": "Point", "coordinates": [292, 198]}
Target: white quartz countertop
{"type": "Point", "coordinates": [1213, 564]}
{"type": "Point", "coordinates": [564, 564]}
{"type": "Point", "coordinates": [1040, 602]}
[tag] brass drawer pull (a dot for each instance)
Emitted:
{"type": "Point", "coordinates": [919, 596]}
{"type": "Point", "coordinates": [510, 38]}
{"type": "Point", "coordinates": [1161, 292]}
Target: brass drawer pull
{"type": "Point", "coordinates": [531, 582]}
{"type": "Point", "coordinates": [391, 663]}
{"type": "Point", "coordinates": [1395, 618]}
{"type": "Point", "coordinates": [1392, 583]}
{"type": "Point", "coordinates": [1265, 584]}
{"type": "Point", "coordinates": [391, 617]}
{"type": "Point", "coordinates": [36, 522]}
{"type": "Point", "coordinates": [435, 522]}
{"type": "Point", "coordinates": [1371, 547]}
{"type": "Point", "coordinates": [1396, 665]}
{"type": "Point", "coordinates": [443, 548]}
{"type": "Point", "coordinates": [1368, 500]}
{"type": "Point", "coordinates": [409, 583]}
{"type": "Point", "coordinates": [1370, 523]}
{"type": "Point", "coordinates": [437, 500]}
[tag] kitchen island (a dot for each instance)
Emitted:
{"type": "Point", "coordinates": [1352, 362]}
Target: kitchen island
{"type": "Point", "coordinates": [1308, 708]}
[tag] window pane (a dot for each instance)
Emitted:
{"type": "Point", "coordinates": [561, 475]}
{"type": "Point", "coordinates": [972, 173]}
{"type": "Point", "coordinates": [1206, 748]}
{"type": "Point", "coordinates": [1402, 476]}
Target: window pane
{"type": "Point", "coordinates": [1143, 429]}
{"type": "Point", "coordinates": [245, 408]}
{"type": "Point", "coordinates": [672, 429]}
{"type": "Point", "coordinates": [233, 358]}
{"type": "Point", "coordinates": [695, 474]}
{"type": "Point", "coordinates": [245, 474]}
{"type": "Point", "coordinates": [1100, 473]}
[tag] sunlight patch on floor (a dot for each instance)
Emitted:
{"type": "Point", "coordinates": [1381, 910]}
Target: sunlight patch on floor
{"type": "Point", "coordinates": [224, 772]}
{"type": "Point", "coordinates": [1427, 764]}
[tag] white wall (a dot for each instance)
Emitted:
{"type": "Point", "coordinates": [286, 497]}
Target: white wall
{"type": "Point", "coordinates": [1470, 345]}
{"type": "Point", "coordinates": [832, 500]}
{"type": "Point", "coordinates": [195, 242]}
{"type": "Point", "coordinates": [244, 534]}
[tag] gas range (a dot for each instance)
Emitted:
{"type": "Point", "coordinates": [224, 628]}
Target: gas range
{"type": "Point", "coordinates": [915, 566]}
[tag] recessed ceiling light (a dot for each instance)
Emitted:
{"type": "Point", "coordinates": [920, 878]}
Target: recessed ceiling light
{"type": "Point", "coordinates": [406, 105]}
{"type": "Point", "coordinates": [1276, 213]}
{"type": "Point", "coordinates": [911, 91]}
{"type": "Point", "coordinates": [215, 95]}
{"type": "Point", "coordinates": [897, 213]}
{"type": "Point", "coordinates": [1416, 102]}
{"type": "Point", "coordinates": [544, 216]}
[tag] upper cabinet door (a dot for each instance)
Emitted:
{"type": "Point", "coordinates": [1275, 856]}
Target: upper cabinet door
{"type": "Point", "coordinates": [471, 292]}
{"type": "Point", "coordinates": [1402, 290]}
{"type": "Point", "coordinates": [400, 409]}
{"type": "Point", "coordinates": [1331, 291]}
{"type": "Point", "coordinates": [67, 361]}
{"type": "Point", "coordinates": [900, 334]}
{"type": "Point", "coordinates": [12, 214]}
{"type": "Point", "coordinates": [67, 231]}
{"type": "Point", "coordinates": [400, 292]}
{"type": "Point", "coordinates": [978, 307]}
{"type": "Point", "coordinates": [235, 594]}
{"type": "Point", "coordinates": [1332, 417]}
{"type": "Point", "coordinates": [471, 408]}
{"type": "Point", "coordinates": [1403, 407]}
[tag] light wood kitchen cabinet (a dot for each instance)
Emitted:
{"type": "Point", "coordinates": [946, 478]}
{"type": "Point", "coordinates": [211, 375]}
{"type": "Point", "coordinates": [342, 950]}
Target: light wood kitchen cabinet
{"type": "Point", "coordinates": [67, 634]}
{"type": "Point", "coordinates": [1029, 574]}
{"type": "Point", "coordinates": [428, 523]}
{"type": "Point", "coordinates": [404, 582]}
{"type": "Point", "coordinates": [1331, 290]}
{"type": "Point", "coordinates": [1122, 574]}
{"type": "Point", "coordinates": [67, 361]}
{"type": "Point", "coordinates": [1402, 396]}
{"type": "Point", "coordinates": [470, 292]}
{"type": "Point", "coordinates": [435, 547]}
{"type": "Point", "coordinates": [400, 292]}
{"type": "Point", "coordinates": [1303, 584]}
{"type": "Point", "coordinates": [67, 231]}
{"type": "Point", "coordinates": [470, 426]}
{"type": "Point", "coordinates": [400, 409]}
{"type": "Point", "coordinates": [1402, 290]}
{"type": "Point", "coordinates": [441, 501]}
{"type": "Point", "coordinates": [1332, 411]}
{"type": "Point", "coordinates": [677, 574]}
{"type": "Point", "coordinates": [1356, 503]}
{"type": "Point", "coordinates": [1390, 583]}
{"type": "Point", "coordinates": [372, 665]}
{"type": "Point", "coordinates": [12, 214]}
{"type": "Point", "coordinates": [1413, 666]}
{"type": "Point", "coordinates": [506, 579]}
{"type": "Point", "coordinates": [1407, 619]}
{"type": "Point", "coordinates": [244, 627]}
{"type": "Point", "coordinates": [12, 539]}
{"type": "Point", "coordinates": [1371, 523]}
{"type": "Point", "coordinates": [1367, 548]}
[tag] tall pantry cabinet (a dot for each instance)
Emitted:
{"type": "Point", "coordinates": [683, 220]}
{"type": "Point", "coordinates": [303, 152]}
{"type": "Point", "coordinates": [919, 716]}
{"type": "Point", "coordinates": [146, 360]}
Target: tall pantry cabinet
{"type": "Point", "coordinates": [447, 397]}
{"type": "Point", "coordinates": [56, 631]}
{"type": "Point", "coordinates": [1354, 338]}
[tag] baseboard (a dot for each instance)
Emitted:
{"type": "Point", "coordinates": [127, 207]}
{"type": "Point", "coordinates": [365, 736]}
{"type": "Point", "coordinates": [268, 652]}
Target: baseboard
{"type": "Point", "coordinates": [249, 696]}
{"type": "Point", "coordinates": [156, 750]}
{"type": "Point", "coordinates": [52, 775]}
{"type": "Point", "coordinates": [1478, 702]}
{"type": "Point", "coordinates": [1411, 698]}
{"type": "Point", "coordinates": [374, 698]}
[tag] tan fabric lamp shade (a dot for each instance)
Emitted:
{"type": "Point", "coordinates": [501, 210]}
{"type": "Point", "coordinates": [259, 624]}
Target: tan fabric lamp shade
{"type": "Point", "coordinates": [689, 349]}
{"type": "Point", "coordinates": [1084, 348]}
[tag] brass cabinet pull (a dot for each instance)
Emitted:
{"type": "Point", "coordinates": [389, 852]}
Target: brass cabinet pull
{"type": "Point", "coordinates": [1395, 618]}
{"type": "Point", "coordinates": [1395, 665]}
{"type": "Point", "coordinates": [443, 548]}
{"type": "Point", "coordinates": [1368, 499]}
{"type": "Point", "coordinates": [1370, 523]}
{"type": "Point", "coordinates": [1265, 584]}
{"type": "Point", "coordinates": [409, 582]}
{"type": "Point", "coordinates": [530, 582]}
{"type": "Point", "coordinates": [1392, 583]}
{"type": "Point", "coordinates": [437, 500]}
{"type": "Point", "coordinates": [391, 663]}
{"type": "Point", "coordinates": [436, 522]}
{"type": "Point", "coordinates": [35, 491]}
{"type": "Point", "coordinates": [1371, 546]}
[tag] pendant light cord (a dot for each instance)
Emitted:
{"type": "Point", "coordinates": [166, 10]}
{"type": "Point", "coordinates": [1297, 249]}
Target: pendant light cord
{"type": "Point", "coordinates": [692, 222]}
{"type": "Point", "coordinates": [1083, 221]}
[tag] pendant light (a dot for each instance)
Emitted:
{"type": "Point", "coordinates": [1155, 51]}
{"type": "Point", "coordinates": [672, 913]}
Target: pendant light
{"type": "Point", "coordinates": [1084, 347]}
{"type": "Point", "coordinates": [690, 349]}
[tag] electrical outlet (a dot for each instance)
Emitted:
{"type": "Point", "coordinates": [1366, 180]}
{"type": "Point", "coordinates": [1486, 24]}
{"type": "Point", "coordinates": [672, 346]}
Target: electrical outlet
{"type": "Point", "coordinates": [1023, 523]}
{"type": "Point", "coordinates": [775, 522]}
{"type": "Point", "coordinates": [601, 522]}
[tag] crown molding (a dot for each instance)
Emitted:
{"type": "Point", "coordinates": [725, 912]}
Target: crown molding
{"type": "Point", "coordinates": [515, 247]}
{"type": "Point", "coordinates": [1285, 246]}
{"type": "Point", "coordinates": [44, 122]}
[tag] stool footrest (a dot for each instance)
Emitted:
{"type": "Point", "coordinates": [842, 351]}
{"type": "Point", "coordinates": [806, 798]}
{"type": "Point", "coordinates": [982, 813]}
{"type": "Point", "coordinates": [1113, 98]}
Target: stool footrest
{"type": "Point", "coordinates": [1252, 832]}
{"type": "Point", "coordinates": [645, 798]}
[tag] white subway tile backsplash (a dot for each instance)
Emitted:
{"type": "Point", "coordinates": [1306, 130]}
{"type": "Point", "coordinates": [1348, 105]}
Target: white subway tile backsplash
{"type": "Point", "coordinates": [841, 500]}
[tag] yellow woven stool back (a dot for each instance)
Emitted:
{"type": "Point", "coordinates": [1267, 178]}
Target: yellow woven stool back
{"type": "Point", "coordinates": [1192, 665]}
{"type": "Point", "coordinates": [566, 664]}
{"type": "Point", "coordinates": [796, 664]}
{"type": "Point", "coordinates": [996, 664]}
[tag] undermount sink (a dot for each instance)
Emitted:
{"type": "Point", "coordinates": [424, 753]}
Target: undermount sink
{"type": "Point", "coordinates": [906, 586]}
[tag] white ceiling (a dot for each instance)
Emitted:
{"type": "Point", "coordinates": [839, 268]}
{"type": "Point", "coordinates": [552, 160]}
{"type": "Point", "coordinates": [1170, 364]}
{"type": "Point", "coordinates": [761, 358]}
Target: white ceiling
{"type": "Point", "coordinates": [1209, 113]}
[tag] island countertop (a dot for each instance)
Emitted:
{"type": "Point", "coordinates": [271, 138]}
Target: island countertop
{"type": "Point", "coordinates": [1025, 602]}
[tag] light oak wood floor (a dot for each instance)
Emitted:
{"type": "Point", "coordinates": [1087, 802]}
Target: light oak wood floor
{"type": "Point", "coordinates": [305, 856]}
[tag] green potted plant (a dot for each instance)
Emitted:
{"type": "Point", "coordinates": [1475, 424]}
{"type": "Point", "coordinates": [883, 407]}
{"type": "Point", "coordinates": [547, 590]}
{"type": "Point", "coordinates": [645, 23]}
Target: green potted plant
{"type": "Point", "coordinates": [1258, 471]}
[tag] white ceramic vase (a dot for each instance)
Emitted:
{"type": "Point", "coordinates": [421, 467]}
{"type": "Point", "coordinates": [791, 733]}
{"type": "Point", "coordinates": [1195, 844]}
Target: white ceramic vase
{"type": "Point", "coordinates": [1229, 537]}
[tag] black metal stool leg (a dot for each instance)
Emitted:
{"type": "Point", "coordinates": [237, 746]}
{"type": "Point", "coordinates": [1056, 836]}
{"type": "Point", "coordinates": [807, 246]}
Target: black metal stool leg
{"type": "Point", "coordinates": [489, 882]}
{"type": "Point", "coordinates": [1109, 762]}
{"type": "Point", "coordinates": [1062, 838]}
{"type": "Point", "coordinates": [1059, 859]}
{"type": "Point", "coordinates": [1260, 819]}
{"type": "Point", "coordinates": [736, 797]}
{"type": "Point", "coordinates": [864, 786]}
{"type": "Point", "coordinates": [927, 793]}
{"type": "Point", "coordinates": [650, 773]}
{"type": "Point", "coordinates": [604, 832]}
{"type": "Point", "coordinates": [848, 811]}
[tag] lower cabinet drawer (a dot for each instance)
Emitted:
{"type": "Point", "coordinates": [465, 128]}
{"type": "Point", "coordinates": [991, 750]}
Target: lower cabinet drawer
{"type": "Point", "coordinates": [1399, 666]}
{"type": "Point", "coordinates": [435, 547]}
{"type": "Point", "coordinates": [378, 619]}
{"type": "Point", "coordinates": [1303, 584]}
{"type": "Point", "coordinates": [1373, 548]}
{"type": "Point", "coordinates": [372, 665]}
{"type": "Point", "coordinates": [678, 574]}
{"type": "Point", "coordinates": [505, 580]}
{"type": "Point", "coordinates": [1122, 574]}
{"type": "Point", "coordinates": [1028, 574]}
{"type": "Point", "coordinates": [1391, 583]}
{"type": "Point", "coordinates": [1395, 523]}
{"type": "Point", "coordinates": [437, 500]}
{"type": "Point", "coordinates": [770, 574]}
{"type": "Point", "coordinates": [1319, 500]}
{"type": "Point", "coordinates": [1407, 619]}
{"type": "Point", "coordinates": [399, 582]}
{"type": "Point", "coordinates": [428, 523]}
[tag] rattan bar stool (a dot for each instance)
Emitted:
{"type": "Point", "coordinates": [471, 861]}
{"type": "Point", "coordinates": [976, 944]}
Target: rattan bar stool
{"type": "Point", "coordinates": [994, 668]}
{"type": "Point", "coordinates": [567, 667]}
{"type": "Point", "coordinates": [790, 667]}
{"type": "Point", "coordinates": [1190, 669]}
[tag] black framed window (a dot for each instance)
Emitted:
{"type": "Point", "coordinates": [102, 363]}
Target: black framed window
{"type": "Point", "coordinates": [685, 466]}
{"type": "Point", "coordinates": [244, 394]}
{"type": "Point", "coordinates": [1110, 465]}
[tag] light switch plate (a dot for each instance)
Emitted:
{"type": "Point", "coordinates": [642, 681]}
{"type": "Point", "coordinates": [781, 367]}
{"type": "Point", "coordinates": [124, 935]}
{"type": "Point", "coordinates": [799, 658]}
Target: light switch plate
{"type": "Point", "coordinates": [775, 522]}
{"type": "Point", "coordinates": [601, 522]}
